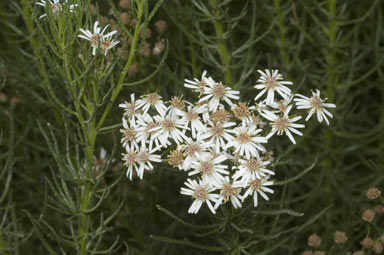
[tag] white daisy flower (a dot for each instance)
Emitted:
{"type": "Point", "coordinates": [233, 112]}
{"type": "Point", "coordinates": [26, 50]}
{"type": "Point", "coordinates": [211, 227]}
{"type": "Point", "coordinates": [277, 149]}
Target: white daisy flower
{"type": "Point", "coordinates": [229, 191]}
{"type": "Point", "coordinates": [193, 150]}
{"type": "Point", "coordinates": [283, 124]}
{"type": "Point", "coordinates": [107, 43]}
{"type": "Point", "coordinates": [201, 192]}
{"type": "Point", "coordinates": [270, 82]}
{"type": "Point", "coordinates": [130, 160]}
{"type": "Point", "coordinates": [242, 112]}
{"type": "Point", "coordinates": [129, 134]}
{"type": "Point", "coordinates": [176, 158]}
{"type": "Point", "coordinates": [251, 169]}
{"type": "Point", "coordinates": [191, 116]}
{"type": "Point", "coordinates": [145, 132]}
{"type": "Point", "coordinates": [170, 127]}
{"type": "Point", "coordinates": [56, 6]}
{"type": "Point", "coordinates": [216, 92]}
{"type": "Point", "coordinates": [96, 36]}
{"type": "Point", "coordinates": [247, 141]}
{"type": "Point", "coordinates": [177, 106]}
{"type": "Point", "coordinates": [281, 105]}
{"type": "Point", "coordinates": [258, 186]}
{"type": "Point", "coordinates": [210, 169]}
{"type": "Point", "coordinates": [197, 85]}
{"type": "Point", "coordinates": [151, 100]}
{"type": "Point", "coordinates": [218, 133]}
{"type": "Point", "coordinates": [144, 157]}
{"type": "Point", "coordinates": [316, 105]}
{"type": "Point", "coordinates": [130, 108]}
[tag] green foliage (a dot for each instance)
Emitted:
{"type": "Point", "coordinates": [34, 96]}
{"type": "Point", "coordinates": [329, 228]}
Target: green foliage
{"type": "Point", "coordinates": [58, 108]}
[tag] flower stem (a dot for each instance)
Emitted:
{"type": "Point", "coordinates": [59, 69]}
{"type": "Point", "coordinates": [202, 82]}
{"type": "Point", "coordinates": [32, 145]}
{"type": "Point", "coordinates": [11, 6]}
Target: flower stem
{"type": "Point", "coordinates": [89, 133]}
{"type": "Point", "coordinates": [123, 74]}
{"type": "Point", "coordinates": [223, 51]}
{"type": "Point", "coordinates": [86, 195]}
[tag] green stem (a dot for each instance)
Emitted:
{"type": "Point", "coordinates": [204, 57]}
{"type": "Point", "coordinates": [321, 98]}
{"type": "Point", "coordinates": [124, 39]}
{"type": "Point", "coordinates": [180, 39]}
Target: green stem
{"type": "Point", "coordinates": [283, 39]}
{"type": "Point", "coordinates": [86, 196]}
{"type": "Point", "coordinates": [223, 51]}
{"type": "Point", "coordinates": [3, 246]}
{"type": "Point", "coordinates": [36, 49]}
{"type": "Point", "coordinates": [89, 132]}
{"type": "Point", "coordinates": [28, 22]}
{"type": "Point", "coordinates": [123, 74]}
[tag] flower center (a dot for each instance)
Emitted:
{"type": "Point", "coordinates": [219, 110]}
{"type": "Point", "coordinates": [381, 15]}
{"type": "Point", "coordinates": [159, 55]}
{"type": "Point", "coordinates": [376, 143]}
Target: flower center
{"type": "Point", "coordinates": [243, 138]}
{"type": "Point", "coordinates": [253, 165]}
{"type": "Point", "coordinates": [143, 156]}
{"type": "Point", "coordinates": [130, 109]}
{"type": "Point", "coordinates": [130, 158]}
{"type": "Point", "coordinates": [152, 98]}
{"type": "Point", "coordinates": [95, 40]}
{"type": "Point", "coordinates": [168, 124]}
{"type": "Point", "coordinates": [316, 103]}
{"type": "Point", "coordinates": [218, 90]}
{"type": "Point", "coordinates": [281, 124]}
{"type": "Point", "coordinates": [128, 134]}
{"type": "Point", "coordinates": [256, 184]}
{"type": "Point", "coordinates": [177, 103]}
{"type": "Point", "coordinates": [228, 191]}
{"type": "Point", "coordinates": [175, 158]}
{"type": "Point", "coordinates": [201, 86]}
{"type": "Point", "coordinates": [191, 115]}
{"type": "Point", "coordinates": [217, 131]}
{"type": "Point", "coordinates": [200, 193]}
{"type": "Point", "coordinates": [192, 149]}
{"type": "Point", "coordinates": [206, 167]}
{"type": "Point", "coordinates": [105, 44]}
{"type": "Point", "coordinates": [220, 115]}
{"type": "Point", "coordinates": [240, 111]}
{"type": "Point", "coordinates": [271, 82]}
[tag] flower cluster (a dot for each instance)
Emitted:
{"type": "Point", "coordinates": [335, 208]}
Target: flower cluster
{"type": "Point", "coordinates": [56, 6]}
{"type": "Point", "coordinates": [97, 38]}
{"type": "Point", "coordinates": [219, 141]}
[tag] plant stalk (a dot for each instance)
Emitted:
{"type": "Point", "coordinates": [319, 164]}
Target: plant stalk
{"type": "Point", "coordinates": [28, 22]}
{"type": "Point", "coordinates": [283, 39]}
{"type": "Point", "coordinates": [123, 74]}
{"type": "Point", "coordinates": [223, 50]}
{"type": "Point", "coordinates": [3, 245]}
